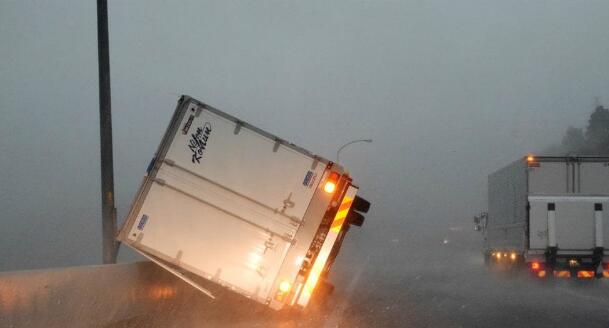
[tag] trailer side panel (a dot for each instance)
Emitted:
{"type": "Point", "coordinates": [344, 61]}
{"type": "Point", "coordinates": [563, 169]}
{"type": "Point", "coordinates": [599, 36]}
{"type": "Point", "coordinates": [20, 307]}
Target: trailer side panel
{"type": "Point", "coordinates": [507, 210]}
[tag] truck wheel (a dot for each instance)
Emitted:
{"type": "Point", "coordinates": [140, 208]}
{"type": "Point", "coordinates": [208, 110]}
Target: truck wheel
{"type": "Point", "coordinates": [356, 219]}
{"type": "Point", "coordinates": [325, 287]}
{"type": "Point", "coordinates": [360, 204]}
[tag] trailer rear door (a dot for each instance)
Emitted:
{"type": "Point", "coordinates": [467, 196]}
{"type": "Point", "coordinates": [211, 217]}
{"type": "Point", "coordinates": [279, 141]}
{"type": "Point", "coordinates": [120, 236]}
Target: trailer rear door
{"type": "Point", "coordinates": [568, 222]}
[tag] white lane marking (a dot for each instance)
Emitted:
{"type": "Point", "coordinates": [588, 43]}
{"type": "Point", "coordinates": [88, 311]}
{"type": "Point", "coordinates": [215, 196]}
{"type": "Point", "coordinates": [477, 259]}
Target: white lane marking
{"type": "Point", "coordinates": [334, 318]}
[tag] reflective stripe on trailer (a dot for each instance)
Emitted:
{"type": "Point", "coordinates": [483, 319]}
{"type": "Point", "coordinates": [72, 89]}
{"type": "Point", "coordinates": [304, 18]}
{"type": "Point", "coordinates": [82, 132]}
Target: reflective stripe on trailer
{"type": "Point", "coordinates": [326, 248]}
{"type": "Point", "coordinates": [341, 215]}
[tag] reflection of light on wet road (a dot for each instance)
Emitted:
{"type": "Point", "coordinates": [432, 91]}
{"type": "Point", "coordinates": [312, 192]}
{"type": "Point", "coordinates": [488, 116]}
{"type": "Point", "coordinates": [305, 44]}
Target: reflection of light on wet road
{"type": "Point", "coordinates": [8, 300]}
{"type": "Point", "coordinates": [161, 292]}
{"type": "Point", "coordinates": [337, 314]}
{"type": "Point", "coordinates": [14, 299]}
{"type": "Point", "coordinates": [445, 287]}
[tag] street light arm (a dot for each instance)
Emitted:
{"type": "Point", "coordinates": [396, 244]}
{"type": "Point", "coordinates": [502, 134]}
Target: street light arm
{"type": "Point", "coordinates": [350, 143]}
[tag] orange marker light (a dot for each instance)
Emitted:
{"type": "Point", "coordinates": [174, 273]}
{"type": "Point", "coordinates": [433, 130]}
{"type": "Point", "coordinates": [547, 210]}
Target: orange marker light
{"type": "Point", "coordinates": [532, 161]}
{"type": "Point", "coordinates": [330, 185]}
{"type": "Point", "coordinates": [535, 266]}
{"type": "Point", "coordinates": [585, 274]}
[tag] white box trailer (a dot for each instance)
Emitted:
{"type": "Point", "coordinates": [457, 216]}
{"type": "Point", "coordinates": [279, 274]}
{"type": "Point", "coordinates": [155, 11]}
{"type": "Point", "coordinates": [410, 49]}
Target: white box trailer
{"type": "Point", "coordinates": [241, 207]}
{"type": "Point", "coordinates": [550, 212]}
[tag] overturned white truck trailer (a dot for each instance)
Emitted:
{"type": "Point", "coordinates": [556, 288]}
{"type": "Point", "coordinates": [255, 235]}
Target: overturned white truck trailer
{"type": "Point", "coordinates": [241, 207]}
{"type": "Point", "coordinates": [550, 213]}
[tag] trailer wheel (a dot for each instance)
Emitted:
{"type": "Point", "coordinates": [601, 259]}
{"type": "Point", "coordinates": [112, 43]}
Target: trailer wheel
{"type": "Point", "coordinates": [356, 218]}
{"type": "Point", "coordinates": [327, 287]}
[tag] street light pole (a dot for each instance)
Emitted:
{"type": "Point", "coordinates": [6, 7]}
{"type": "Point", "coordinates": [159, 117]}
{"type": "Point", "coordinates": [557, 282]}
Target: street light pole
{"type": "Point", "coordinates": [350, 143]}
{"type": "Point", "coordinates": [109, 244]}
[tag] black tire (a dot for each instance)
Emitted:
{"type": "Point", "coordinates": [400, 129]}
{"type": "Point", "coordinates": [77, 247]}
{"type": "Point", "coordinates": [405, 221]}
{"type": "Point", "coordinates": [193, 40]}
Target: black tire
{"type": "Point", "coordinates": [360, 204]}
{"type": "Point", "coordinates": [355, 218]}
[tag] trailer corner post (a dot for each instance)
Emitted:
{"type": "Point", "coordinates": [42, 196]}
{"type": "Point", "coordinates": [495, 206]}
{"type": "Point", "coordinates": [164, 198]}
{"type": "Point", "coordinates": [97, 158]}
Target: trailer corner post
{"type": "Point", "coordinates": [551, 225]}
{"type": "Point", "coordinates": [598, 225]}
{"type": "Point", "coordinates": [109, 243]}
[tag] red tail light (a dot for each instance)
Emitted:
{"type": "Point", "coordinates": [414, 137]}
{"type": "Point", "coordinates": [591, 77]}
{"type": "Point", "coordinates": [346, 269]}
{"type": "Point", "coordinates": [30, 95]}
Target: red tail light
{"type": "Point", "coordinates": [535, 266]}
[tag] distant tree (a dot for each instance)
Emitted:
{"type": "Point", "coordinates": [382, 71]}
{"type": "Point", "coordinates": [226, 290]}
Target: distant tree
{"type": "Point", "coordinates": [594, 141]}
{"type": "Point", "coordinates": [597, 132]}
{"type": "Point", "coordinates": [553, 150]}
{"type": "Point", "coordinates": [574, 141]}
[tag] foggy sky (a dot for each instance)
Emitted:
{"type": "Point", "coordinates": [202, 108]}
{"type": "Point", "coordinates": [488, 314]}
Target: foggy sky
{"type": "Point", "coordinates": [448, 90]}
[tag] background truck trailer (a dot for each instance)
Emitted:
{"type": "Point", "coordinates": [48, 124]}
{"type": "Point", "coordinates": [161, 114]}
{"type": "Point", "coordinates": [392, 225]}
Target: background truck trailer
{"type": "Point", "coordinates": [236, 205]}
{"type": "Point", "coordinates": [550, 213]}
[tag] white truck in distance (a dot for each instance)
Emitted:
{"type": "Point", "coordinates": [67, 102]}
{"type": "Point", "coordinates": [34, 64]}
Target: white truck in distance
{"type": "Point", "coordinates": [549, 213]}
{"type": "Point", "coordinates": [241, 207]}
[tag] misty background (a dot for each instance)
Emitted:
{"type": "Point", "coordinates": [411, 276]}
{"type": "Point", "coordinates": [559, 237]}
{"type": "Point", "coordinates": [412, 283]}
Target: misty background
{"type": "Point", "coordinates": [449, 91]}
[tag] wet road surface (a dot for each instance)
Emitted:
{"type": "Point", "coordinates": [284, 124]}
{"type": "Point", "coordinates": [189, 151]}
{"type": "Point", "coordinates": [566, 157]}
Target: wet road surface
{"type": "Point", "coordinates": [458, 291]}
{"type": "Point", "coordinates": [387, 285]}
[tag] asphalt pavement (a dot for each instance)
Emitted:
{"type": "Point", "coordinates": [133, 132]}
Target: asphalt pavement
{"type": "Point", "coordinates": [427, 281]}
{"type": "Point", "coordinates": [448, 285]}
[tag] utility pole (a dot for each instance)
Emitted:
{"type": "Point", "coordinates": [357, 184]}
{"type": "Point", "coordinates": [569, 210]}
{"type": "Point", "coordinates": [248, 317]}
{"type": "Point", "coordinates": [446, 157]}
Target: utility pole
{"type": "Point", "coordinates": [109, 243]}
